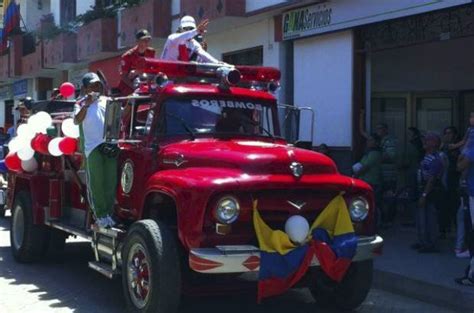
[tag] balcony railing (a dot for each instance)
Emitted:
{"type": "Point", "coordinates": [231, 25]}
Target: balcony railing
{"type": "Point", "coordinates": [60, 51]}
{"type": "Point", "coordinates": [213, 9]}
{"type": "Point", "coordinates": [153, 15]}
{"type": "Point", "coordinates": [32, 63]}
{"type": "Point", "coordinates": [97, 39]}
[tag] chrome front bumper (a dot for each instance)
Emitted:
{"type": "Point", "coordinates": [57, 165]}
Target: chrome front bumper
{"type": "Point", "coordinates": [242, 259]}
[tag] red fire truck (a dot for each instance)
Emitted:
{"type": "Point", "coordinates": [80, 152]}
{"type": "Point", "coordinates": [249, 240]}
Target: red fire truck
{"type": "Point", "coordinates": [202, 143]}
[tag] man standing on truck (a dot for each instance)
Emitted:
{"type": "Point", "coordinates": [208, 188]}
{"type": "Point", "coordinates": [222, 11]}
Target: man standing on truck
{"type": "Point", "coordinates": [100, 161]}
{"type": "Point", "coordinates": [129, 59]}
{"type": "Point", "coordinates": [181, 45]}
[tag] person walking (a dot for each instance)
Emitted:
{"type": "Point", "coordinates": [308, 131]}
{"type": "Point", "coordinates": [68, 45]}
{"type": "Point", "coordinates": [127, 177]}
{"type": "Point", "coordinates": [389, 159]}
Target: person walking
{"type": "Point", "coordinates": [100, 162]}
{"type": "Point", "coordinates": [430, 189]}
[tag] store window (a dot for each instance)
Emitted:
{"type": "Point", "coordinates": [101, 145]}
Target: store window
{"type": "Point", "coordinates": [434, 113]}
{"type": "Point", "coordinates": [252, 56]}
{"type": "Point", "coordinates": [391, 111]}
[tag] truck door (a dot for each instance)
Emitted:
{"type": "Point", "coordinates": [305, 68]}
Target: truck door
{"type": "Point", "coordinates": [136, 158]}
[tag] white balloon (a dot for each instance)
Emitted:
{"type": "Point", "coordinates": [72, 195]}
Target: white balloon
{"type": "Point", "coordinates": [297, 228]}
{"type": "Point", "coordinates": [70, 129]}
{"type": "Point", "coordinates": [29, 165]}
{"type": "Point", "coordinates": [26, 153]}
{"type": "Point", "coordinates": [40, 122]}
{"type": "Point", "coordinates": [25, 131]}
{"type": "Point", "coordinates": [15, 144]}
{"type": "Point", "coordinates": [53, 147]}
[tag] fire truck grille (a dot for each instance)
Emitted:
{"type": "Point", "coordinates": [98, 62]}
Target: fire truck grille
{"type": "Point", "coordinates": [275, 207]}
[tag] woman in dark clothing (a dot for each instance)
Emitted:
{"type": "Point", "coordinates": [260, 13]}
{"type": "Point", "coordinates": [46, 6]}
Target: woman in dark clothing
{"type": "Point", "coordinates": [451, 203]}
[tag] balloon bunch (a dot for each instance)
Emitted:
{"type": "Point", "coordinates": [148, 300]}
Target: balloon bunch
{"type": "Point", "coordinates": [32, 137]}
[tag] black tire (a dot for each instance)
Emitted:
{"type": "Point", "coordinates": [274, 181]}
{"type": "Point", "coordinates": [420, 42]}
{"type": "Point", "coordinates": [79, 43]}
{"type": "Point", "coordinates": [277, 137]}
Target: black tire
{"type": "Point", "coordinates": [349, 293]}
{"type": "Point", "coordinates": [30, 243]}
{"type": "Point", "coordinates": [161, 263]}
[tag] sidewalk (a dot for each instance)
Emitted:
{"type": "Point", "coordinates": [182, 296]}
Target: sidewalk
{"type": "Point", "coordinates": [427, 277]}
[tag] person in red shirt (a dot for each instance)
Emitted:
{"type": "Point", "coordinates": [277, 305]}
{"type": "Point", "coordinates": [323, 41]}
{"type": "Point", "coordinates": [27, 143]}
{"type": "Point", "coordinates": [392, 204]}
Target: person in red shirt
{"type": "Point", "coordinates": [131, 57]}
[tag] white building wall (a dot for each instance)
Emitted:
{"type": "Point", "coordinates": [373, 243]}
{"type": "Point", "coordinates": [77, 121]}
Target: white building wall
{"type": "Point", "coordinates": [56, 10]}
{"type": "Point", "coordinates": [252, 35]}
{"type": "Point", "coordinates": [445, 65]}
{"type": "Point", "coordinates": [83, 5]}
{"type": "Point", "coordinates": [323, 68]}
{"type": "Point", "coordinates": [175, 7]}
{"type": "Point", "coordinates": [32, 13]}
{"type": "Point", "coordinates": [253, 5]}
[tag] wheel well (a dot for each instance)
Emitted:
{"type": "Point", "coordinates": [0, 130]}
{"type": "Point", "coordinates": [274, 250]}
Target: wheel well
{"type": "Point", "coordinates": [161, 207]}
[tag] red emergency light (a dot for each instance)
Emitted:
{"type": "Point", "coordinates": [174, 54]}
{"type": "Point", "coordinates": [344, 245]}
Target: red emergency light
{"type": "Point", "coordinates": [177, 69]}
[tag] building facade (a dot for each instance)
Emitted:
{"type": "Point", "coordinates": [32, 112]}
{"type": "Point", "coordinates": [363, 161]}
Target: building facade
{"type": "Point", "coordinates": [405, 63]}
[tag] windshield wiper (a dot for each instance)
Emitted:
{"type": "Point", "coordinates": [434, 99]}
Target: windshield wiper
{"type": "Point", "coordinates": [183, 123]}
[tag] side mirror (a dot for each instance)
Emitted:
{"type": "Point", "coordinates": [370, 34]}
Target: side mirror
{"type": "Point", "coordinates": [113, 116]}
{"type": "Point", "coordinates": [308, 145]}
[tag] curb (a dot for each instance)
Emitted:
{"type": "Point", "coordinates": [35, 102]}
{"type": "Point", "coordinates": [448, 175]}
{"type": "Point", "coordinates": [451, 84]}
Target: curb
{"type": "Point", "coordinates": [445, 296]}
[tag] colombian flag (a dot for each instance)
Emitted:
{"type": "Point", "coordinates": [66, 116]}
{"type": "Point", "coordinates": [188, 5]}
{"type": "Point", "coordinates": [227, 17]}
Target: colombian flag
{"type": "Point", "coordinates": [11, 20]}
{"type": "Point", "coordinates": [282, 263]}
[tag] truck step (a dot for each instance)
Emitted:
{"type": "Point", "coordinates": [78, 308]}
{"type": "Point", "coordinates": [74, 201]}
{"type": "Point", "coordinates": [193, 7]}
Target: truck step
{"type": "Point", "coordinates": [104, 269]}
{"type": "Point", "coordinates": [70, 229]}
{"type": "Point", "coordinates": [109, 232]}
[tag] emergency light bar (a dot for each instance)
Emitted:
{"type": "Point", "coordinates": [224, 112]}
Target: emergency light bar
{"type": "Point", "coordinates": [184, 69]}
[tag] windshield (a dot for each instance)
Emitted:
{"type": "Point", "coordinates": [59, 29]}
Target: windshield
{"type": "Point", "coordinates": [214, 116]}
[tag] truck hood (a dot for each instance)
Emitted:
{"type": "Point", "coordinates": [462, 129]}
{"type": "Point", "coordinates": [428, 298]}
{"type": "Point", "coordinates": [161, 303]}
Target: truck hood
{"type": "Point", "coordinates": [251, 157]}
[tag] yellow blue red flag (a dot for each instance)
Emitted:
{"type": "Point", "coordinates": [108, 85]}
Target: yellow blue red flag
{"type": "Point", "coordinates": [11, 20]}
{"type": "Point", "coordinates": [282, 263]}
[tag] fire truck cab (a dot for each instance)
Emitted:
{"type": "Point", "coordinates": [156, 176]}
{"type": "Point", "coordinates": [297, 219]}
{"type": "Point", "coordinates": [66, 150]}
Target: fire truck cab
{"type": "Point", "coordinates": [202, 142]}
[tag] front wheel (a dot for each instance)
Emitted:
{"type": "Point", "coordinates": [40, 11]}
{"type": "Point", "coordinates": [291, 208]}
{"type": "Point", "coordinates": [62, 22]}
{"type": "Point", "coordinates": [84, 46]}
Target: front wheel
{"type": "Point", "coordinates": [349, 293]}
{"type": "Point", "coordinates": [151, 276]}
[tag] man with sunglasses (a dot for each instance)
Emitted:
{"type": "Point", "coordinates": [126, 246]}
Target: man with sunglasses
{"type": "Point", "coordinates": [181, 45]}
{"type": "Point", "coordinates": [130, 58]}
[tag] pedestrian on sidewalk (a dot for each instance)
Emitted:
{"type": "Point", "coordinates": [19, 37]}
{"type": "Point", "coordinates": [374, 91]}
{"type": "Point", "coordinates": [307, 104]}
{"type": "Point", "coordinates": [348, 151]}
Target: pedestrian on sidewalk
{"type": "Point", "coordinates": [429, 178]}
{"type": "Point", "coordinates": [467, 202]}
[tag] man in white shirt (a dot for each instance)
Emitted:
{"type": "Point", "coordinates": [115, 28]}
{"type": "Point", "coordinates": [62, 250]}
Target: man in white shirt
{"type": "Point", "coordinates": [181, 45]}
{"type": "Point", "coordinates": [101, 168]}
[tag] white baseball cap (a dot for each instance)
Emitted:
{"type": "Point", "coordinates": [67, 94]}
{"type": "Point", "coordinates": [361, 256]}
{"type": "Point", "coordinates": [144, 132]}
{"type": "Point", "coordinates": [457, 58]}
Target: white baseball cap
{"type": "Point", "coordinates": [187, 21]}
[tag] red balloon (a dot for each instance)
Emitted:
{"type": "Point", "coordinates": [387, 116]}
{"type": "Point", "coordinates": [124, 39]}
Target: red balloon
{"type": "Point", "coordinates": [13, 162]}
{"type": "Point", "coordinates": [67, 89]}
{"type": "Point", "coordinates": [68, 145]}
{"type": "Point", "coordinates": [40, 143]}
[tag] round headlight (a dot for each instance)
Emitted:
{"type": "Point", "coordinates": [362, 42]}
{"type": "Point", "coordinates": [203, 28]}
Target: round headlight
{"type": "Point", "coordinates": [359, 209]}
{"type": "Point", "coordinates": [227, 210]}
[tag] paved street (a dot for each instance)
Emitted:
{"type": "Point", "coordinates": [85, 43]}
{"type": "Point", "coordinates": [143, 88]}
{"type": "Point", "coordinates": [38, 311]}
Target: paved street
{"type": "Point", "coordinates": [69, 286]}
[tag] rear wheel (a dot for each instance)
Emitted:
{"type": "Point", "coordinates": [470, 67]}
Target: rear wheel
{"type": "Point", "coordinates": [151, 276]}
{"type": "Point", "coordinates": [28, 241]}
{"type": "Point", "coordinates": [349, 293]}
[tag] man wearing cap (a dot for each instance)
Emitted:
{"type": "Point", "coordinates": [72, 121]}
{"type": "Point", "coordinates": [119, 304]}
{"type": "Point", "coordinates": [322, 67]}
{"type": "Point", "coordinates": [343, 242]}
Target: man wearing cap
{"type": "Point", "coordinates": [130, 58]}
{"type": "Point", "coordinates": [181, 45]}
{"type": "Point", "coordinates": [101, 168]}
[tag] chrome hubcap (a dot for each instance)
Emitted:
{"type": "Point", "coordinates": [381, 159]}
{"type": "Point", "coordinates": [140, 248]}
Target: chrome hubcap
{"type": "Point", "coordinates": [138, 275]}
{"type": "Point", "coordinates": [18, 227]}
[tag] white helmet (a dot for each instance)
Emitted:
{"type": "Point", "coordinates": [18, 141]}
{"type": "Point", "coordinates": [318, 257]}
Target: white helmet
{"type": "Point", "coordinates": [187, 21]}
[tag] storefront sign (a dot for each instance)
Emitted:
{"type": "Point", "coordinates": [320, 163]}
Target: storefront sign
{"type": "Point", "coordinates": [20, 87]}
{"type": "Point", "coordinates": [343, 14]}
{"type": "Point", "coordinates": [5, 92]}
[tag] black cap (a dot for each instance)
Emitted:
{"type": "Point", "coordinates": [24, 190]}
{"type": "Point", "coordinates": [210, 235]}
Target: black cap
{"type": "Point", "coordinates": [142, 34]}
{"type": "Point", "coordinates": [90, 78]}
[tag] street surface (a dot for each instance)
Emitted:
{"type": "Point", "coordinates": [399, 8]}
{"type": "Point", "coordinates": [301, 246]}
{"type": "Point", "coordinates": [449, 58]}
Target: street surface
{"type": "Point", "coordinates": [70, 286]}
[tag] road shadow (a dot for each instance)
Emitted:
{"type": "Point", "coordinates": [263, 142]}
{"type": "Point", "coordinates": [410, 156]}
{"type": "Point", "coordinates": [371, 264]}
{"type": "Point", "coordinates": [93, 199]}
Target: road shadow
{"type": "Point", "coordinates": [68, 283]}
